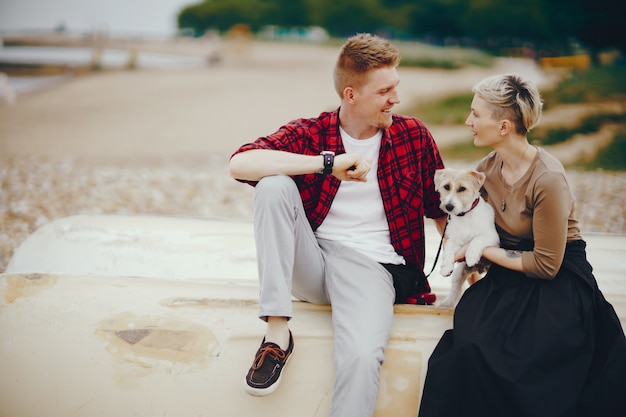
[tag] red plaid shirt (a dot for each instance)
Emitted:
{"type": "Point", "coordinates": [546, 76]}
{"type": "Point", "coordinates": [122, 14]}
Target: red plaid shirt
{"type": "Point", "coordinates": [407, 162]}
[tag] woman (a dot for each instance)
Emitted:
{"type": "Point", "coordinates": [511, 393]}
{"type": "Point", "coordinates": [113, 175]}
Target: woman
{"type": "Point", "coordinates": [535, 336]}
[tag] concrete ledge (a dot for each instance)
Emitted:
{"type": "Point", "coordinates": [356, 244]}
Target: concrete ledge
{"type": "Point", "coordinates": [154, 315]}
{"type": "Point", "coordinates": [200, 249]}
{"type": "Point", "coordinates": [119, 346]}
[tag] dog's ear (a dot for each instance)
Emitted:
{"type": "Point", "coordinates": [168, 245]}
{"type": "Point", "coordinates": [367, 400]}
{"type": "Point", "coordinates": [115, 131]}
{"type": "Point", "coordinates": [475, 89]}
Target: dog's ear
{"type": "Point", "coordinates": [439, 175]}
{"type": "Point", "coordinates": [479, 177]}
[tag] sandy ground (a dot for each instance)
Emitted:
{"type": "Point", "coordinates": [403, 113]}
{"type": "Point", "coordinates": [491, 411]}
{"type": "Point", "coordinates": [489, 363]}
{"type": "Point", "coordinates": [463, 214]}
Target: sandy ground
{"type": "Point", "coordinates": [158, 140]}
{"type": "Point", "coordinates": [151, 113]}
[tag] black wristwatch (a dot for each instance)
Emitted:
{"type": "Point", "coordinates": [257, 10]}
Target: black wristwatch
{"type": "Point", "coordinates": [329, 160]}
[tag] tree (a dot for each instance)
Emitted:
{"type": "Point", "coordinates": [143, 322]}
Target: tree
{"type": "Point", "coordinates": [601, 26]}
{"type": "Point", "coordinates": [289, 13]}
{"type": "Point", "coordinates": [552, 25]}
{"type": "Point", "coordinates": [347, 17]}
{"type": "Point", "coordinates": [438, 18]}
{"type": "Point", "coordinates": [223, 14]}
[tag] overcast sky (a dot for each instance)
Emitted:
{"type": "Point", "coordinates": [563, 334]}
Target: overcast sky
{"type": "Point", "coordinates": [140, 17]}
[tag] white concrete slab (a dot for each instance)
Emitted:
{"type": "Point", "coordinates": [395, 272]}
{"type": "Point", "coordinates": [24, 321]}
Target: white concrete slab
{"type": "Point", "coordinates": [75, 345]}
{"type": "Point", "coordinates": [181, 248]}
{"type": "Point", "coordinates": [146, 246]}
{"type": "Point", "coordinates": [151, 315]}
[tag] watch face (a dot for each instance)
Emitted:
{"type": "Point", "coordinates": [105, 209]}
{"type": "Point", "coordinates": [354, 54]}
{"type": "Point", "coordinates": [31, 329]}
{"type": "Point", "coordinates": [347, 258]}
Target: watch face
{"type": "Point", "coordinates": [329, 157]}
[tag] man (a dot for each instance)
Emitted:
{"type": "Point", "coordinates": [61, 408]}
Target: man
{"type": "Point", "coordinates": [339, 210]}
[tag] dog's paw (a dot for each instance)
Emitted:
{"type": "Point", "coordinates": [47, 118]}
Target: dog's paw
{"type": "Point", "coordinates": [447, 303]}
{"type": "Point", "coordinates": [446, 270]}
{"type": "Point", "coordinates": [472, 257]}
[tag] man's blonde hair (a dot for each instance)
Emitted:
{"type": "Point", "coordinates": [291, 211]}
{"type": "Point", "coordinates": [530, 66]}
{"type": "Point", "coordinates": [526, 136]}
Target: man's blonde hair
{"type": "Point", "coordinates": [359, 55]}
{"type": "Point", "coordinates": [512, 98]}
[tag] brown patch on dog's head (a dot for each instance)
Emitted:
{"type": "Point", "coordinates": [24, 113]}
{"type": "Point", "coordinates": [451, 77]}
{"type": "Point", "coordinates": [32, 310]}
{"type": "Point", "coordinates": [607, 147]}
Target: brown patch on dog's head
{"type": "Point", "coordinates": [458, 188]}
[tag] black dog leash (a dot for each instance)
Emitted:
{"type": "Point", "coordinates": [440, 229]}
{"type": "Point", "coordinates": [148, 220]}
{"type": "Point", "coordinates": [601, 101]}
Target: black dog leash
{"type": "Point", "coordinates": [439, 250]}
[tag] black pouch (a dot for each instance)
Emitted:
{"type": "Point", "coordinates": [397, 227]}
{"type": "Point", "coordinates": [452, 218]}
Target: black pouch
{"type": "Point", "coordinates": [407, 281]}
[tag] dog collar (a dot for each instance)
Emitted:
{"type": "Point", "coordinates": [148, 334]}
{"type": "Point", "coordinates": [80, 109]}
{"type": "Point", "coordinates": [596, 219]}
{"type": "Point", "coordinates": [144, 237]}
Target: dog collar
{"type": "Point", "coordinates": [474, 204]}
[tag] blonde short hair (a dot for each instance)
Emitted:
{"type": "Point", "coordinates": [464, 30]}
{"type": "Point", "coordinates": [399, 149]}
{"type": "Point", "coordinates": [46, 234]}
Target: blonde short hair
{"type": "Point", "coordinates": [359, 55]}
{"type": "Point", "coordinates": [513, 98]}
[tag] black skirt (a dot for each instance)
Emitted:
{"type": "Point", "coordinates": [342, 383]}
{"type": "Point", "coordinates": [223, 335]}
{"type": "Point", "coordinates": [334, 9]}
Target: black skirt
{"type": "Point", "coordinates": [530, 347]}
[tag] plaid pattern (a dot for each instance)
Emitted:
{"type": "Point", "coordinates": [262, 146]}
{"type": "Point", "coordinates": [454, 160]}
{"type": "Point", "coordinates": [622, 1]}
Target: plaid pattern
{"type": "Point", "coordinates": [407, 162]}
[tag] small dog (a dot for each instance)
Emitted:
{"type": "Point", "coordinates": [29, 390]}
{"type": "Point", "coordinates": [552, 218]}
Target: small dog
{"type": "Point", "coordinates": [470, 222]}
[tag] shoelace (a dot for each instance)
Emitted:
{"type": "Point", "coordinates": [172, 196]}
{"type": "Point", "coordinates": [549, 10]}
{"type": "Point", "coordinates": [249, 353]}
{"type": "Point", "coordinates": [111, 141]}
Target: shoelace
{"type": "Point", "coordinates": [269, 349]}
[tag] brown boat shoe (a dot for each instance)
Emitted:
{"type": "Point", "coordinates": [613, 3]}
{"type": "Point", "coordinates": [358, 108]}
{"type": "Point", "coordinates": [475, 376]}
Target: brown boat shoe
{"type": "Point", "coordinates": [265, 373]}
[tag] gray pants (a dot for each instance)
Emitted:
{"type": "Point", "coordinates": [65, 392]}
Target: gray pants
{"type": "Point", "coordinates": [292, 261]}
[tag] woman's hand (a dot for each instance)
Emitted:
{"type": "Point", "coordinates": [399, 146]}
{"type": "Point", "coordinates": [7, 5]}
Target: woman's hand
{"type": "Point", "coordinates": [460, 254]}
{"type": "Point", "coordinates": [510, 259]}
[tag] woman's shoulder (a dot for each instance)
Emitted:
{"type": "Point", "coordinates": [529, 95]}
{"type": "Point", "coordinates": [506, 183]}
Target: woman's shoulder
{"type": "Point", "coordinates": [488, 163]}
{"type": "Point", "coordinates": [549, 172]}
{"type": "Point", "coordinates": [549, 162]}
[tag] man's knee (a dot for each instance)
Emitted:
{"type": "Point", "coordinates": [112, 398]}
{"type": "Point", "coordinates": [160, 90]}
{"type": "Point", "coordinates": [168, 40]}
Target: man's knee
{"type": "Point", "coordinates": [275, 188]}
{"type": "Point", "coordinates": [275, 184]}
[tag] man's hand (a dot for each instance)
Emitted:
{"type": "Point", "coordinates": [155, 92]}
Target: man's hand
{"type": "Point", "coordinates": [351, 167]}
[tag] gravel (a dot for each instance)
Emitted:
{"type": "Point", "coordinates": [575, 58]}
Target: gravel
{"type": "Point", "coordinates": [37, 190]}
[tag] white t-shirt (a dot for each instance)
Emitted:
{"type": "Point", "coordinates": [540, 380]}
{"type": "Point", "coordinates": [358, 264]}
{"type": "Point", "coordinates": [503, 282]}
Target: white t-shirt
{"type": "Point", "coordinates": [357, 216]}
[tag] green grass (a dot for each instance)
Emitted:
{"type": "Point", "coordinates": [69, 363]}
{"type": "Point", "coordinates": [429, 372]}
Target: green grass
{"type": "Point", "coordinates": [604, 83]}
{"type": "Point", "coordinates": [452, 110]}
{"type": "Point", "coordinates": [416, 54]}
{"type": "Point", "coordinates": [613, 157]}
{"type": "Point", "coordinates": [587, 125]}
{"type": "Point", "coordinates": [464, 150]}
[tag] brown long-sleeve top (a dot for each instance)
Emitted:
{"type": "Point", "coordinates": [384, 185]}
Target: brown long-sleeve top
{"type": "Point", "coordinates": [539, 207]}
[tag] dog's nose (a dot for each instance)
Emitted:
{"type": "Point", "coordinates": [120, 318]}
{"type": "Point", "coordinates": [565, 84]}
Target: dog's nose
{"type": "Point", "coordinates": [449, 207]}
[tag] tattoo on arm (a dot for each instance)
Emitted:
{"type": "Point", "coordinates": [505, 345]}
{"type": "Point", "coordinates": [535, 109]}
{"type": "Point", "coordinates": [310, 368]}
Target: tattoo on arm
{"type": "Point", "coordinates": [513, 253]}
